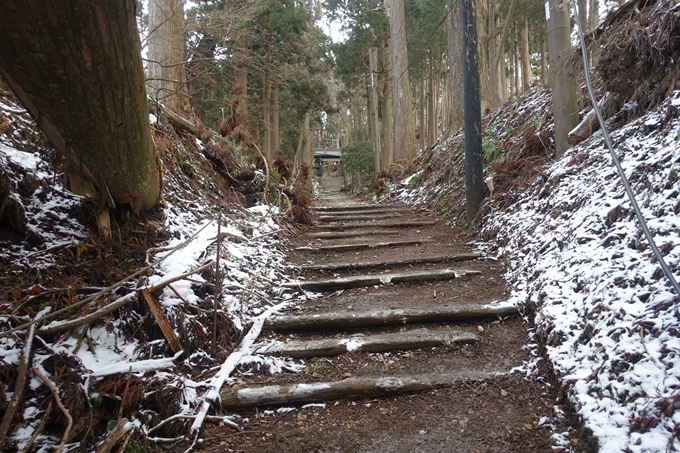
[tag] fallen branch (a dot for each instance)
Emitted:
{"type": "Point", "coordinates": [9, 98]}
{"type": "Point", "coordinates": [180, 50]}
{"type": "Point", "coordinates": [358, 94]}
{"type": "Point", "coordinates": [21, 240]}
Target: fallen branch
{"type": "Point", "coordinates": [123, 427]}
{"type": "Point", "coordinates": [138, 367]}
{"type": "Point", "coordinates": [162, 321]}
{"type": "Point", "coordinates": [41, 427]}
{"type": "Point", "coordinates": [215, 383]}
{"type": "Point", "coordinates": [21, 379]}
{"type": "Point", "coordinates": [57, 400]}
{"type": "Point", "coordinates": [105, 290]}
{"type": "Point", "coordinates": [63, 326]}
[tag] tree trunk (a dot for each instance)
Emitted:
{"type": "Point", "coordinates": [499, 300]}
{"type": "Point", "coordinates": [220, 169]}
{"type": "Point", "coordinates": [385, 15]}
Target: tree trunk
{"type": "Point", "coordinates": [474, 180]}
{"type": "Point", "coordinates": [167, 55]}
{"type": "Point", "coordinates": [544, 62]}
{"type": "Point", "coordinates": [431, 111]}
{"type": "Point", "coordinates": [422, 112]}
{"type": "Point", "coordinates": [493, 68]}
{"type": "Point", "coordinates": [77, 69]}
{"type": "Point", "coordinates": [276, 134]}
{"type": "Point", "coordinates": [583, 13]}
{"type": "Point", "coordinates": [518, 83]}
{"type": "Point", "coordinates": [594, 14]}
{"type": "Point", "coordinates": [309, 151]}
{"type": "Point", "coordinates": [404, 136]}
{"type": "Point", "coordinates": [241, 82]}
{"type": "Point", "coordinates": [526, 64]}
{"type": "Point", "coordinates": [388, 117]}
{"type": "Point", "coordinates": [267, 119]}
{"type": "Point", "coordinates": [481, 15]}
{"type": "Point", "coordinates": [455, 40]}
{"type": "Point", "coordinates": [511, 73]}
{"type": "Point", "coordinates": [375, 121]}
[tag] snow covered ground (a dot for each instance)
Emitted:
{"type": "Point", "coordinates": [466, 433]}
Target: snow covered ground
{"type": "Point", "coordinates": [253, 278]}
{"type": "Point", "coordinates": [607, 316]}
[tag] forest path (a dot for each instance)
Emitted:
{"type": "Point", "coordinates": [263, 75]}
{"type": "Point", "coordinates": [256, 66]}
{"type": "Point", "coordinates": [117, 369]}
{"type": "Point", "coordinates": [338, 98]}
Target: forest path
{"type": "Point", "coordinates": [421, 364]}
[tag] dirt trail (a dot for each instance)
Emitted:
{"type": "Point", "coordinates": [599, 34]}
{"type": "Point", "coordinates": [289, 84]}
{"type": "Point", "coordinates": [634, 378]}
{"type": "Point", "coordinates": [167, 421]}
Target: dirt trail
{"type": "Point", "coordinates": [396, 371]}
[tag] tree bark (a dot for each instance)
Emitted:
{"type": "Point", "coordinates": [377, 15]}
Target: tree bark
{"type": "Point", "coordinates": [455, 41]}
{"type": "Point", "coordinates": [474, 181]}
{"type": "Point", "coordinates": [544, 62]}
{"type": "Point", "coordinates": [167, 55]}
{"type": "Point", "coordinates": [431, 110]}
{"type": "Point", "coordinates": [388, 117]}
{"type": "Point", "coordinates": [375, 121]}
{"type": "Point", "coordinates": [526, 64]}
{"type": "Point", "coordinates": [422, 112]}
{"type": "Point", "coordinates": [276, 134]}
{"type": "Point", "coordinates": [77, 69]}
{"type": "Point", "coordinates": [404, 136]}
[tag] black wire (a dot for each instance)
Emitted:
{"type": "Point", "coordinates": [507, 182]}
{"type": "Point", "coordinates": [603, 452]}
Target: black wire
{"type": "Point", "coordinates": [626, 184]}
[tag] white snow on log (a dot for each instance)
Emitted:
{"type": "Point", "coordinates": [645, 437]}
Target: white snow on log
{"type": "Point", "coordinates": [139, 366]}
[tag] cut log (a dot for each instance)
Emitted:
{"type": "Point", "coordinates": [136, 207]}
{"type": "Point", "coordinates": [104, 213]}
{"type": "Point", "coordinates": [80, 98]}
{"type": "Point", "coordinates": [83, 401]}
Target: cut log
{"type": "Point", "coordinates": [349, 234]}
{"type": "Point", "coordinates": [359, 217]}
{"type": "Point", "coordinates": [404, 224]}
{"type": "Point", "coordinates": [366, 212]}
{"type": "Point", "coordinates": [362, 246]}
{"type": "Point", "coordinates": [178, 120]}
{"type": "Point", "coordinates": [359, 207]}
{"type": "Point", "coordinates": [371, 280]}
{"type": "Point", "coordinates": [352, 388]}
{"type": "Point", "coordinates": [355, 319]}
{"type": "Point", "coordinates": [403, 262]}
{"type": "Point", "coordinates": [162, 320]}
{"type": "Point", "coordinates": [399, 341]}
{"type": "Point", "coordinates": [587, 126]}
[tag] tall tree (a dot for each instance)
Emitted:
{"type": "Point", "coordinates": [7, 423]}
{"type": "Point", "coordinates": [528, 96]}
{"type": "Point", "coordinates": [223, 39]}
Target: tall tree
{"type": "Point", "coordinates": [455, 29]}
{"type": "Point", "coordinates": [404, 129]}
{"type": "Point", "coordinates": [167, 54]}
{"type": "Point", "coordinates": [77, 68]}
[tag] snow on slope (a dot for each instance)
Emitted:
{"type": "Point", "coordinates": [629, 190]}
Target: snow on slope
{"type": "Point", "coordinates": [605, 312]}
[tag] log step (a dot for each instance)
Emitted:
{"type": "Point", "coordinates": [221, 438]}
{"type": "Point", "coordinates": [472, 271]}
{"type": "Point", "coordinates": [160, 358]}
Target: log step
{"type": "Point", "coordinates": [378, 279]}
{"type": "Point", "coordinates": [403, 224]}
{"type": "Point", "coordinates": [349, 234]}
{"type": "Point", "coordinates": [414, 339]}
{"type": "Point", "coordinates": [402, 262]}
{"type": "Point", "coordinates": [352, 388]}
{"type": "Point", "coordinates": [353, 319]}
{"type": "Point", "coordinates": [362, 246]}
{"type": "Point", "coordinates": [366, 212]}
{"type": "Point", "coordinates": [359, 207]}
{"type": "Point", "coordinates": [358, 217]}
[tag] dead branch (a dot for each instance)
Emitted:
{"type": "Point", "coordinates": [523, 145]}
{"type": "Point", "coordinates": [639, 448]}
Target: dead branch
{"type": "Point", "coordinates": [21, 379]}
{"type": "Point", "coordinates": [57, 400]}
{"type": "Point", "coordinates": [39, 429]}
{"type": "Point", "coordinates": [215, 383]}
{"type": "Point", "coordinates": [162, 321]}
{"type": "Point", "coordinates": [115, 305]}
{"type": "Point", "coordinates": [116, 435]}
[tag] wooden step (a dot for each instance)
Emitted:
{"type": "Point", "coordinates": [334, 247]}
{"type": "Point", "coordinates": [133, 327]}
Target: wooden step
{"type": "Point", "coordinates": [378, 279]}
{"type": "Point", "coordinates": [384, 224]}
{"type": "Point", "coordinates": [361, 207]}
{"type": "Point", "coordinates": [359, 217]}
{"type": "Point", "coordinates": [398, 262]}
{"type": "Point", "coordinates": [355, 319]}
{"type": "Point", "coordinates": [352, 388]}
{"type": "Point", "coordinates": [412, 339]}
{"type": "Point", "coordinates": [353, 247]}
{"type": "Point", "coordinates": [348, 234]}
